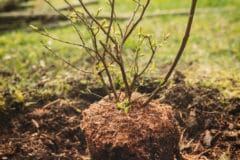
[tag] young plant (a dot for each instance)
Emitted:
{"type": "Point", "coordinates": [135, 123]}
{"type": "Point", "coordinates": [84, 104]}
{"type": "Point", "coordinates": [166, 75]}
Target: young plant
{"type": "Point", "coordinates": [108, 39]}
{"type": "Point", "coordinates": [112, 134]}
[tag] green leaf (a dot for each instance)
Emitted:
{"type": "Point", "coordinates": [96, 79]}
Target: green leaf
{"type": "Point", "coordinates": [18, 95]}
{"type": "Point", "coordinates": [126, 109]}
{"type": "Point", "coordinates": [2, 103]}
{"type": "Point", "coordinates": [120, 105]}
{"type": "Point", "coordinates": [78, 110]}
{"type": "Point", "coordinates": [33, 27]}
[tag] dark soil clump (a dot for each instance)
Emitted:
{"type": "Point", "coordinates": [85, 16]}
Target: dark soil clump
{"type": "Point", "coordinates": [49, 132]}
{"type": "Point", "coordinates": [145, 133]}
{"type": "Point", "coordinates": [209, 123]}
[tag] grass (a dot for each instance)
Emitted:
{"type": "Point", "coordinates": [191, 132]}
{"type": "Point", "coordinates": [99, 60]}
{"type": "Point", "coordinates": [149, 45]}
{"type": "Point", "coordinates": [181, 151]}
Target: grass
{"type": "Point", "coordinates": [212, 56]}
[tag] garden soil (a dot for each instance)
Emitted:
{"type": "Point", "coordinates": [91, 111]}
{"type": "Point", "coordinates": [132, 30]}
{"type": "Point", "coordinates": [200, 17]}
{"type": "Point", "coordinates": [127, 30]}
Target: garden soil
{"type": "Point", "coordinates": [209, 126]}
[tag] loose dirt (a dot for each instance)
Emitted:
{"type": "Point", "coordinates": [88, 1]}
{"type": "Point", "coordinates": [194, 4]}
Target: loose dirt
{"type": "Point", "coordinates": [209, 126]}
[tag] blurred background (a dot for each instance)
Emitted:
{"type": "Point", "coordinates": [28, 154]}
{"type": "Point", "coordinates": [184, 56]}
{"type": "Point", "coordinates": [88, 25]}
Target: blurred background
{"type": "Point", "coordinates": [211, 58]}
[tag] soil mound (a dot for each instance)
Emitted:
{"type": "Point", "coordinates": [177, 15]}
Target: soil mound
{"type": "Point", "coordinates": [144, 133]}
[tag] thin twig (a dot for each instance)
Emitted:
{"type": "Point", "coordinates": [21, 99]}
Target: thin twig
{"type": "Point", "coordinates": [88, 49]}
{"type": "Point", "coordinates": [51, 103]}
{"type": "Point", "coordinates": [128, 33]}
{"type": "Point", "coordinates": [112, 4]}
{"type": "Point", "coordinates": [153, 50]}
{"type": "Point", "coordinates": [73, 24]}
{"type": "Point", "coordinates": [96, 22]}
{"type": "Point", "coordinates": [131, 19]}
{"type": "Point", "coordinates": [139, 74]}
{"type": "Point", "coordinates": [94, 41]}
{"type": "Point", "coordinates": [129, 29]}
{"type": "Point", "coordinates": [66, 42]}
{"type": "Point", "coordinates": [65, 61]}
{"type": "Point", "coordinates": [109, 52]}
{"type": "Point", "coordinates": [105, 65]}
{"type": "Point", "coordinates": [77, 5]}
{"type": "Point", "coordinates": [104, 83]}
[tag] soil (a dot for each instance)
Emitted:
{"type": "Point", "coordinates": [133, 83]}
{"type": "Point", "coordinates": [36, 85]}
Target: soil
{"type": "Point", "coordinates": [209, 126]}
{"type": "Point", "coordinates": [48, 132]}
{"type": "Point", "coordinates": [141, 133]}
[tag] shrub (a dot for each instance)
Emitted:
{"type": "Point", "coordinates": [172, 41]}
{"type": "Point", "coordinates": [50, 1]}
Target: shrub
{"type": "Point", "coordinates": [108, 39]}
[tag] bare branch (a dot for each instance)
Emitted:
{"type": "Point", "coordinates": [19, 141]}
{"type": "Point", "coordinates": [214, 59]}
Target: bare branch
{"type": "Point", "coordinates": [124, 38]}
{"type": "Point", "coordinates": [124, 77]}
{"type": "Point", "coordinates": [97, 22]}
{"type": "Point", "coordinates": [153, 50]}
{"type": "Point", "coordinates": [109, 52]}
{"type": "Point", "coordinates": [103, 61]}
{"type": "Point", "coordinates": [128, 33]}
{"type": "Point", "coordinates": [112, 5]}
{"type": "Point", "coordinates": [78, 5]}
{"type": "Point", "coordinates": [179, 54]}
{"type": "Point", "coordinates": [132, 18]}
{"type": "Point", "coordinates": [75, 28]}
{"type": "Point", "coordinates": [66, 42]}
{"type": "Point", "coordinates": [138, 74]}
{"type": "Point", "coordinates": [104, 83]}
{"type": "Point", "coordinates": [68, 63]}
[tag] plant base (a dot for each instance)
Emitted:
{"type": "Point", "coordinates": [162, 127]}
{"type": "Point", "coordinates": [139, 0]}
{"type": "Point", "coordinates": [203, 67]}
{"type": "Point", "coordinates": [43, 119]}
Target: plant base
{"type": "Point", "coordinates": [145, 133]}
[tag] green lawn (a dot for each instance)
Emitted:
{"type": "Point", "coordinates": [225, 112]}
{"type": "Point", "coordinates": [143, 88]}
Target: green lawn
{"type": "Point", "coordinates": [212, 56]}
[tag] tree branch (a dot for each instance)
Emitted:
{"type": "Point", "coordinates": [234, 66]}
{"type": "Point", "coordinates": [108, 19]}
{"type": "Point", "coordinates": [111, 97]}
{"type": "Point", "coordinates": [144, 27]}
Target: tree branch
{"type": "Point", "coordinates": [68, 63]}
{"type": "Point", "coordinates": [97, 22]}
{"type": "Point", "coordinates": [128, 33]}
{"type": "Point", "coordinates": [179, 53]}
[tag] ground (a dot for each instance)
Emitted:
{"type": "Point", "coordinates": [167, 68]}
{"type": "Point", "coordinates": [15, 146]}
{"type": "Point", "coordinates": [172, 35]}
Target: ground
{"type": "Point", "coordinates": [42, 98]}
{"type": "Point", "coordinates": [209, 126]}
